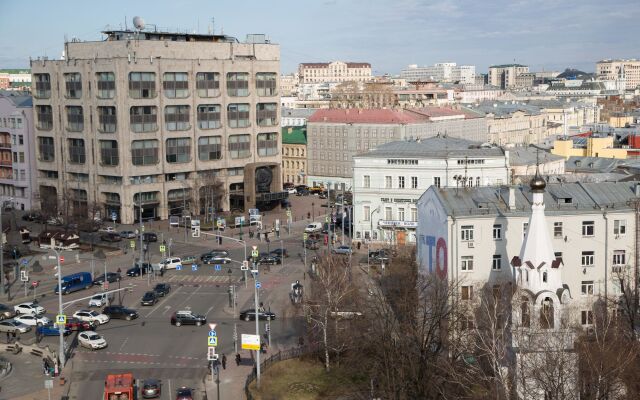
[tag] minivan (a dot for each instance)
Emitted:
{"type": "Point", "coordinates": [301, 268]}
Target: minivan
{"type": "Point", "coordinates": [74, 282]}
{"type": "Point", "coordinates": [313, 227]}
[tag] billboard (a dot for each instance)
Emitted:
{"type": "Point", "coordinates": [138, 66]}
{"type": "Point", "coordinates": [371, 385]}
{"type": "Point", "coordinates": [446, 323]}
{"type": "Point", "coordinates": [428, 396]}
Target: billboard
{"type": "Point", "coordinates": [433, 246]}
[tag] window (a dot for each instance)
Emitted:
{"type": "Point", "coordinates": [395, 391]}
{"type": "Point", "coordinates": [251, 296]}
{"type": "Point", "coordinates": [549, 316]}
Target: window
{"type": "Point", "coordinates": [77, 153]}
{"type": "Point", "coordinates": [497, 231]}
{"type": "Point", "coordinates": [209, 116]}
{"type": "Point", "coordinates": [267, 114]}
{"type": "Point", "coordinates": [619, 227]}
{"type": "Point", "coordinates": [20, 140]}
{"type": "Point", "coordinates": [587, 228]}
{"type": "Point", "coordinates": [144, 152]}
{"type": "Point", "coordinates": [366, 181]}
{"type": "Point", "coordinates": [73, 85]}
{"type": "Point", "coordinates": [466, 263]}
{"type": "Point", "coordinates": [208, 84]}
{"type": "Point", "coordinates": [46, 148]}
{"type": "Point", "coordinates": [587, 258]}
{"type": "Point", "coordinates": [619, 257]}
{"type": "Point", "coordinates": [107, 119]}
{"type": "Point", "coordinates": [239, 146]}
{"type": "Point", "coordinates": [387, 182]}
{"type": "Point", "coordinates": [75, 119]}
{"type": "Point", "coordinates": [238, 84]}
{"type": "Point", "coordinates": [366, 210]}
{"type": "Point", "coordinates": [388, 213]}
{"type": "Point", "coordinates": [414, 182]}
{"type": "Point", "coordinates": [175, 85]}
{"type": "Point", "coordinates": [143, 119]}
{"type": "Point", "coordinates": [142, 85]}
{"type": "Point", "coordinates": [544, 276]}
{"type": "Point", "coordinates": [238, 115]}
{"type": "Point", "coordinates": [176, 118]}
{"type": "Point", "coordinates": [266, 84]}
{"type": "Point", "coordinates": [43, 86]}
{"type": "Point", "coordinates": [401, 182]}
{"type": "Point", "coordinates": [477, 181]}
{"type": "Point", "coordinates": [466, 233]}
{"type": "Point", "coordinates": [267, 144]}
{"type": "Point", "coordinates": [45, 117]}
{"type": "Point", "coordinates": [497, 262]}
{"type": "Point", "coordinates": [414, 214]}
{"type": "Point", "coordinates": [525, 228]}
{"type": "Point", "coordinates": [467, 292]}
{"type": "Point", "coordinates": [210, 148]}
{"type": "Point", "coordinates": [178, 150]}
{"type": "Point", "coordinates": [587, 288]}
{"type": "Point", "coordinates": [558, 255]}
{"type": "Point", "coordinates": [557, 230]}
{"type": "Point", "coordinates": [109, 152]}
{"type": "Point", "coordinates": [587, 317]}
{"type": "Point", "coordinates": [21, 156]}
{"type": "Point", "coordinates": [106, 85]}
{"type": "Point", "coordinates": [400, 214]}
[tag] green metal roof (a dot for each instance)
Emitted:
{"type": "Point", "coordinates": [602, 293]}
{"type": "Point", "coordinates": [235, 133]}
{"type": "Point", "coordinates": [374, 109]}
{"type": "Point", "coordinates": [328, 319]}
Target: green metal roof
{"type": "Point", "coordinates": [294, 135]}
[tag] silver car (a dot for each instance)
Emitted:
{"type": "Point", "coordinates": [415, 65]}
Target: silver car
{"type": "Point", "coordinates": [13, 326]}
{"type": "Point", "coordinates": [341, 250]}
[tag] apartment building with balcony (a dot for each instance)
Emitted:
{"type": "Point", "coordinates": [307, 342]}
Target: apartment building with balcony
{"type": "Point", "coordinates": [165, 114]}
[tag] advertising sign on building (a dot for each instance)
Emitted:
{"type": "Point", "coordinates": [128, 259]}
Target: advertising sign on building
{"type": "Point", "coordinates": [432, 236]}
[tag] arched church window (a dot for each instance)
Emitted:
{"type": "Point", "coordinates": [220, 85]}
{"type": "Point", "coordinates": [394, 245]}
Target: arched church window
{"type": "Point", "coordinates": [546, 314]}
{"type": "Point", "coordinates": [544, 277]}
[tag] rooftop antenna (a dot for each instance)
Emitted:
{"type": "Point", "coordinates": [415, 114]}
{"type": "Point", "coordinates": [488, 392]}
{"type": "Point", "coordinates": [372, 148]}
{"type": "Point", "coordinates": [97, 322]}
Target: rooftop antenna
{"type": "Point", "coordinates": [213, 25]}
{"type": "Point", "coordinates": [125, 23]}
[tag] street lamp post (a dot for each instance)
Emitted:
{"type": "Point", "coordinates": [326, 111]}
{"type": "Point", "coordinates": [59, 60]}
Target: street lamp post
{"type": "Point", "coordinates": [61, 353]}
{"type": "Point", "coordinates": [313, 211]}
{"type": "Point", "coordinates": [255, 303]}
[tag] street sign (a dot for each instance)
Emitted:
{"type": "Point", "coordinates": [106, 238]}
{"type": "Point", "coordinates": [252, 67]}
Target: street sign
{"type": "Point", "coordinates": [254, 211]}
{"type": "Point", "coordinates": [179, 267]}
{"type": "Point", "coordinates": [23, 276]}
{"type": "Point", "coordinates": [288, 213]}
{"type": "Point", "coordinates": [250, 342]}
{"type": "Point", "coordinates": [305, 236]}
{"type": "Point", "coordinates": [194, 267]}
{"type": "Point", "coordinates": [106, 285]}
{"type": "Point", "coordinates": [258, 285]}
{"type": "Point", "coordinates": [212, 333]}
{"type": "Point", "coordinates": [326, 219]}
{"type": "Point", "coordinates": [25, 261]}
{"type": "Point", "coordinates": [114, 216]}
{"type": "Point", "coordinates": [132, 244]}
{"type": "Point", "coordinates": [48, 383]}
{"type": "Point", "coordinates": [61, 259]}
{"type": "Point", "coordinates": [212, 341]}
{"type": "Point", "coordinates": [245, 265]}
{"type": "Point", "coordinates": [255, 253]}
{"type": "Point", "coordinates": [61, 319]}
{"type": "Point", "coordinates": [163, 248]}
{"type": "Point", "coordinates": [211, 354]}
{"type": "Point", "coordinates": [217, 267]}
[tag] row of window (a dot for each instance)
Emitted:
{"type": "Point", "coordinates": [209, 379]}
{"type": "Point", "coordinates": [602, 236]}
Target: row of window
{"type": "Point", "coordinates": [176, 118]}
{"type": "Point", "coordinates": [142, 85]}
{"type": "Point", "coordinates": [401, 182]}
{"type": "Point", "coordinates": [343, 131]}
{"type": "Point", "coordinates": [588, 229]}
{"type": "Point", "coordinates": [178, 150]}
{"type": "Point", "coordinates": [11, 122]}
{"type": "Point", "coordinates": [389, 215]}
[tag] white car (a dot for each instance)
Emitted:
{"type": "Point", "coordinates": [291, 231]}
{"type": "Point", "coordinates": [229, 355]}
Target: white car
{"type": "Point", "coordinates": [292, 191]}
{"type": "Point", "coordinates": [29, 308]}
{"type": "Point", "coordinates": [32, 320]}
{"type": "Point", "coordinates": [100, 300]}
{"type": "Point", "coordinates": [91, 316]}
{"type": "Point", "coordinates": [92, 340]}
{"type": "Point", "coordinates": [108, 229]}
{"type": "Point", "coordinates": [313, 227]}
{"type": "Point", "coordinates": [169, 263]}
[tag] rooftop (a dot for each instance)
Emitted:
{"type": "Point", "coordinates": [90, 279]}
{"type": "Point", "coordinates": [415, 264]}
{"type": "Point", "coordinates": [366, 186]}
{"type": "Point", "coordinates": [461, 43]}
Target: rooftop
{"type": "Point", "coordinates": [507, 65]}
{"type": "Point", "coordinates": [529, 156]}
{"type": "Point", "coordinates": [433, 147]}
{"type": "Point", "coordinates": [19, 99]}
{"type": "Point", "coordinates": [503, 109]}
{"type": "Point", "coordinates": [297, 112]}
{"type": "Point", "coordinates": [294, 135]}
{"type": "Point", "coordinates": [439, 112]}
{"type": "Point", "coordinates": [366, 116]}
{"type": "Point", "coordinates": [173, 36]}
{"type": "Point", "coordinates": [326, 65]}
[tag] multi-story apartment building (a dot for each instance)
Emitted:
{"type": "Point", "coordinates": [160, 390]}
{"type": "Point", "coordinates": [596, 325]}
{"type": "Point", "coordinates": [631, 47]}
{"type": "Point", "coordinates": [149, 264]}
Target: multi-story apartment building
{"type": "Point", "coordinates": [389, 180]}
{"type": "Point", "coordinates": [625, 70]}
{"type": "Point", "coordinates": [158, 118]}
{"type": "Point", "coordinates": [440, 72]}
{"type": "Point", "coordinates": [505, 76]}
{"type": "Point", "coordinates": [489, 235]}
{"type": "Point", "coordinates": [335, 135]}
{"type": "Point", "coordinates": [294, 154]}
{"type": "Point", "coordinates": [332, 72]}
{"type": "Point", "coordinates": [17, 151]}
{"type": "Point", "coordinates": [295, 116]}
{"type": "Point", "coordinates": [512, 122]}
{"type": "Point", "coordinates": [288, 85]}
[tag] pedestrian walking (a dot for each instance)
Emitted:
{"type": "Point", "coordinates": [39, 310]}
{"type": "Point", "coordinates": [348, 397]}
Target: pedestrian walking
{"type": "Point", "coordinates": [13, 336]}
{"type": "Point", "coordinates": [304, 275]}
{"type": "Point", "coordinates": [224, 361]}
{"type": "Point", "coordinates": [358, 245]}
{"type": "Point", "coordinates": [8, 337]}
{"type": "Point", "coordinates": [238, 359]}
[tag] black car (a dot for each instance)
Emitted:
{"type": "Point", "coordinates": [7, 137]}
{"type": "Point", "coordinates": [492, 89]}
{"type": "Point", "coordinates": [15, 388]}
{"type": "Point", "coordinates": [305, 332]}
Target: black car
{"type": "Point", "coordinates": [270, 260]}
{"type": "Point", "coordinates": [162, 289]}
{"type": "Point", "coordinates": [187, 318]}
{"type": "Point", "coordinates": [137, 271]}
{"type": "Point", "coordinates": [312, 244]}
{"type": "Point", "coordinates": [32, 216]}
{"type": "Point", "coordinates": [151, 388]}
{"type": "Point", "coordinates": [280, 253]}
{"type": "Point", "coordinates": [250, 315]}
{"type": "Point", "coordinates": [111, 277]}
{"type": "Point", "coordinates": [215, 259]}
{"type": "Point", "coordinates": [110, 237]}
{"type": "Point", "coordinates": [149, 237]}
{"type": "Point", "coordinates": [184, 393]}
{"type": "Point", "coordinates": [149, 299]}
{"type": "Point", "coordinates": [214, 253]}
{"type": "Point", "coordinates": [120, 312]}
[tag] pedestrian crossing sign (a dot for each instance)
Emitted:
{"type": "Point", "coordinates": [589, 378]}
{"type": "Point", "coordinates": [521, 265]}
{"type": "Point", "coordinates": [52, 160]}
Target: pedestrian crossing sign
{"type": "Point", "coordinates": [254, 253]}
{"type": "Point", "coordinates": [61, 319]}
{"type": "Point", "coordinates": [132, 244]}
{"type": "Point", "coordinates": [218, 267]}
{"type": "Point", "coordinates": [179, 267]}
{"type": "Point", "coordinates": [194, 267]}
{"type": "Point", "coordinates": [212, 341]}
{"type": "Point", "coordinates": [162, 248]}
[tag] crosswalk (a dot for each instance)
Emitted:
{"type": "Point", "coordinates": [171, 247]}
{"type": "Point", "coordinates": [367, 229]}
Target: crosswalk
{"type": "Point", "coordinates": [179, 278]}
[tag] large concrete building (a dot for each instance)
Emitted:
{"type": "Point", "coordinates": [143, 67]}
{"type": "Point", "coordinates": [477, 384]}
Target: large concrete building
{"type": "Point", "coordinates": [627, 71]}
{"type": "Point", "coordinates": [440, 72]}
{"type": "Point", "coordinates": [334, 72]}
{"type": "Point", "coordinates": [505, 76]}
{"type": "Point", "coordinates": [17, 151]}
{"type": "Point", "coordinates": [164, 114]}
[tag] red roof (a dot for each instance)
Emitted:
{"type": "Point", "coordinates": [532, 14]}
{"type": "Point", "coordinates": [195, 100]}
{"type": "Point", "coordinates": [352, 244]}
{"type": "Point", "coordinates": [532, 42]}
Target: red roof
{"type": "Point", "coordinates": [366, 116]}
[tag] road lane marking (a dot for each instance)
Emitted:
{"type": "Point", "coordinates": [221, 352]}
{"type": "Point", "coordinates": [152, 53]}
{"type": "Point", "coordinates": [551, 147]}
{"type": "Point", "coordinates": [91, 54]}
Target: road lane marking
{"type": "Point", "coordinates": [189, 298]}
{"type": "Point", "coordinates": [208, 311]}
{"type": "Point", "coordinates": [166, 297]}
{"type": "Point", "coordinates": [123, 343]}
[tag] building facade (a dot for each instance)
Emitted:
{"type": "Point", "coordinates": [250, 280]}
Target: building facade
{"type": "Point", "coordinates": [440, 72]}
{"type": "Point", "coordinates": [389, 180]}
{"type": "Point", "coordinates": [294, 154]}
{"type": "Point", "coordinates": [334, 72]}
{"type": "Point", "coordinates": [17, 151]}
{"type": "Point", "coordinates": [627, 71]}
{"type": "Point", "coordinates": [160, 117]}
{"type": "Point", "coordinates": [512, 123]}
{"type": "Point", "coordinates": [505, 76]}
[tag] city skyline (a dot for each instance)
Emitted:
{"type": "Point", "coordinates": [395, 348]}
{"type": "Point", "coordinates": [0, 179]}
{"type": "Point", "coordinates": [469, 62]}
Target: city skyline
{"type": "Point", "coordinates": [381, 33]}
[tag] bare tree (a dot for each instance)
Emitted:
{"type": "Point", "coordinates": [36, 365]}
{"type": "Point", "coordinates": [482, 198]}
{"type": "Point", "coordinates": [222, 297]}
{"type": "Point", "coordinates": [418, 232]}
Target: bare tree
{"type": "Point", "coordinates": [208, 194]}
{"type": "Point", "coordinates": [362, 95]}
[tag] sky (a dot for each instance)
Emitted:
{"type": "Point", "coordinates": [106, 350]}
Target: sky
{"type": "Point", "coordinates": [389, 34]}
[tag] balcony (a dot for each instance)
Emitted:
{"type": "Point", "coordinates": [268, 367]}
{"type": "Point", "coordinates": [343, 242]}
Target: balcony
{"type": "Point", "coordinates": [5, 145]}
{"type": "Point", "coordinates": [6, 163]}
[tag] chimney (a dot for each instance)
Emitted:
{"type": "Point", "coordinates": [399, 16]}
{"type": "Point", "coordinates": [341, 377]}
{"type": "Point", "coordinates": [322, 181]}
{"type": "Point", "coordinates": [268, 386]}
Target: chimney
{"type": "Point", "coordinates": [637, 189]}
{"type": "Point", "coordinates": [512, 198]}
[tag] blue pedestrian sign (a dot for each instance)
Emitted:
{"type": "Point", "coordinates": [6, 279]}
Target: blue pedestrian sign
{"type": "Point", "coordinates": [114, 216]}
{"type": "Point", "coordinates": [217, 267]}
{"type": "Point", "coordinates": [213, 333]}
{"type": "Point", "coordinates": [258, 285]}
{"type": "Point", "coordinates": [25, 261]}
{"type": "Point", "coordinates": [194, 267]}
{"type": "Point", "coordinates": [178, 267]}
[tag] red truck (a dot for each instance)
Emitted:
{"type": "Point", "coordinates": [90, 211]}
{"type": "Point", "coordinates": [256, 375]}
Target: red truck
{"type": "Point", "coordinates": [119, 387]}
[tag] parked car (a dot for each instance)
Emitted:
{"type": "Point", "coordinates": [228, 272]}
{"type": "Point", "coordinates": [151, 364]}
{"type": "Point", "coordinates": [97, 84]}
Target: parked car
{"type": "Point", "coordinates": [111, 277]}
{"type": "Point", "coordinates": [108, 229]}
{"type": "Point", "coordinates": [250, 315]}
{"type": "Point", "coordinates": [51, 330]}
{"type": "Point", "coordinates": [184, 393]}
{"type": "Point", "coordinates": [6, 312]}
{"type": "Point", "coordinates": [379, 256]}
{"type": "Point", "coordinates": [120, 312]}
{"type": "Point", "coordinates": [29, 308]}
{"type": "Point", "coordinates": [280, 253]}
{"type": "Point", "coordinates": [74, 324]}
{"type": "Point", "coordinates": [127, 234]}
{"type": "Point", "coordinates": [92, 340]}
{"type": "Point", "coordinates": [151, 389]}
{"type": "Point", "coordinates": [162, 289]}
{"type": "Point", "coordinates": [91, 316]}
{"type": "Point", "coordinates": [149, 299]}
{"type": "Point", "coordinates": [32, 320]}
{"type": "Point", "coordinates": [110, 237]}
{"type": "Point", "coordinates": [322, 195]}
{"type": "Point", "coordinates": [101, 299]}
{"type": "Point", "coordinates": [137, 270]}
{"type": "Point", "coordinates": [341, 250]}
{"type": "Point", "coordinates": [11, 326]}
{"type": "Point", "coordinates": [270, 260]}
{"type": "Point", "coordinates": [313, 227]}
{"type": "Point", "coordinates": [149, 237]}
{"type": "Point", "coordinates": [189, 260]}
{"type": "Point", "coordinates": [292, 191]}
{"type": "Point", "coordinates": [187, 318]}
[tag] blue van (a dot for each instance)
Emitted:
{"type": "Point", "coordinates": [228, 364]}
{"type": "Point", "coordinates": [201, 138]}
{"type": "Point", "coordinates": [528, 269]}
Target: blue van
{"type": "Point", "coordinates": [75, 282]}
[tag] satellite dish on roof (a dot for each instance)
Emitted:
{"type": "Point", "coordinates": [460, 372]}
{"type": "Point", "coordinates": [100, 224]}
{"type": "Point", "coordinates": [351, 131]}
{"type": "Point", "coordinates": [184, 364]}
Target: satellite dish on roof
{"type": "Point", "coordinates": [138, 22]}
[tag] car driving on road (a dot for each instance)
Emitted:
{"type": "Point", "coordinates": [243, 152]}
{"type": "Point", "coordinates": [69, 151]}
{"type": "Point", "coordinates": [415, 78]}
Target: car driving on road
{"type": "Point", "coordinates": [187, 318]}
{"type": "Point", "coordinates": [250, 315]}
{"type": "Point", "coordinates": [137, 271]}
{"type": "Point", "coordinates": [111, 277]}
{"type": "Point", "coordinates": [151, 389]}
{"type": "Point", "coordinates": [120, 312]}
{"type": "Point", "coordinates": [162, 289]}
{"type": "Point", "coordinates": [92, 340]}
{"type": "Point", "coordinates": [51, 330]}
{"type": "Point", "coordinates": [75, 324]}
{"type": "Point", "coordinates": [100, 299]}
{"type": "Point", "coordinates": [149, 299]}
{"type": "Point", "coordinates": [6, 312]}
{"type": "Point", "coordinates": [91, 316]}
{"type": "Point", "coordinates": [31, 320]}
{"type": "Point", "coordinates": [128, 234]}
{"type": "Point", "coordinates": [29, 308]}
{"type": "Point", "coordinates": [341, 250]}
{"type": "Point", "coordinates": [270, 260]}
{"type": "Point", "coordinates": [216, 259]}
{"type": "Point", "coordinates": [184, 393]}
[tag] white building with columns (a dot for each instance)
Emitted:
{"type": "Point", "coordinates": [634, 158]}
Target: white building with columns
{"type": "Point", "coordinates": [388, 180]}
